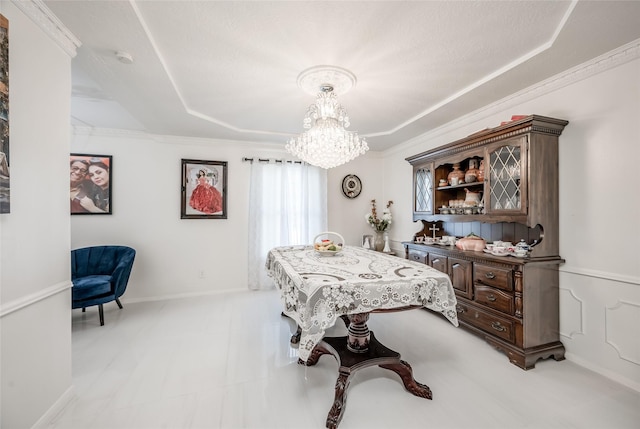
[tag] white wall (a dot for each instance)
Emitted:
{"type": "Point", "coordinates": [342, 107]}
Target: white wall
{"type": "Point", "coordinates": [35, 334]}
{"type": "Point", "coordinates": [346, 215]}
{"type": "Point", "coordinates": [599, 207]}
{"type": "Point", "coordinates": [171, 252]}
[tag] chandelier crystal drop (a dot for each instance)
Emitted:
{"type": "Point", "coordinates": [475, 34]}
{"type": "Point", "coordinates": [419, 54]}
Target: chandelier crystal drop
{"type": "Point", "coordinates": [327, 143]}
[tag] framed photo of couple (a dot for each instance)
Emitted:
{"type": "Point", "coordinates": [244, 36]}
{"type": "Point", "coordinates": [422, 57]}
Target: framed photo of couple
{"type": "Point", "coordinates": [204, 189]}
{"type": "Point", "coordinates": [90, 184]}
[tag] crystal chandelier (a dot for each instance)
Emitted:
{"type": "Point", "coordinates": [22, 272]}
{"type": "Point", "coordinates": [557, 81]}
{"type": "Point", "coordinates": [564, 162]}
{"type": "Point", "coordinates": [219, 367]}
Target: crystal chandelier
{"type": "Point", "coordinates": [326, 143]}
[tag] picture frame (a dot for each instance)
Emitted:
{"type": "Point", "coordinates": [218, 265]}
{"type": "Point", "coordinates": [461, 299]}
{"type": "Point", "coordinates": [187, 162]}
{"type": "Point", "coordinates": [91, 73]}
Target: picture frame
{"type": "Point", "coordinates": [5, 181]}
{"type": "Point", "coordinates": [204, 189]}
{"type": "Point", "coordinates": [90, 184]}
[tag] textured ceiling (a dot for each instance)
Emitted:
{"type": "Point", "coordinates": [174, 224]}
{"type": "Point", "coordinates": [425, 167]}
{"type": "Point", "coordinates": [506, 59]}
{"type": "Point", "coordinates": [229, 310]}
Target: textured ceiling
{"type": "Point", "coordinates": [228, 69]}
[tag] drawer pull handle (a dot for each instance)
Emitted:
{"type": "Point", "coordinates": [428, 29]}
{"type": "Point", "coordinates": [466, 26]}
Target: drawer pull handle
{"type": "Point", "coordinates": [491, 298]}
{"type": "Point", "coordinates": [490, 275]}
{"type": "Point", "coordinates": [497, 326]}
{"type": "Point", "coordinates": [459, 309]}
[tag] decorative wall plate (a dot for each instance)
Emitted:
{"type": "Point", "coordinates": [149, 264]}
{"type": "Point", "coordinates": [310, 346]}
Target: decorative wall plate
{"type": "Point", "coordinates": [351, 186]}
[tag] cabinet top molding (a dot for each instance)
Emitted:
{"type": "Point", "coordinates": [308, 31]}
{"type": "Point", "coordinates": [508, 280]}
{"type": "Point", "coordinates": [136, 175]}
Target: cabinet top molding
{"type": "Point", "coordinates": [533, 123]}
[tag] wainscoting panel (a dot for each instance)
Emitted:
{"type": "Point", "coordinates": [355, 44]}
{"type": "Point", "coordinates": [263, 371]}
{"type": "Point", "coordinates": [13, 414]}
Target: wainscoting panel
{"type": "Point", "coordinates": [618, 319]}
{"type": "Point", "coordinates": [571, 314]}
{"type": "Point", "coordinates": [599, 320]}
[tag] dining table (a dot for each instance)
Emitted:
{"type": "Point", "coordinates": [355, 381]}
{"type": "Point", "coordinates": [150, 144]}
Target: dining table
{"type": "Point", "coordinates": [316, 289]}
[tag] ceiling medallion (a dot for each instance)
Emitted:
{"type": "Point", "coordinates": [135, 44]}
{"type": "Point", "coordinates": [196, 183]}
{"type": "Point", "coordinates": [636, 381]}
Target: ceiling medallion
{"type": "Point", "coordinates": [327, 143]}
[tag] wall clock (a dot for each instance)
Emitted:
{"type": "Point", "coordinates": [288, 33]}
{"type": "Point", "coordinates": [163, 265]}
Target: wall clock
{"type": "Point", "coordinates": [351, 186]}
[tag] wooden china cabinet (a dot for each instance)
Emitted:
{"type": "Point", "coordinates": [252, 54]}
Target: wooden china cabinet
{"type": "Point", "coordinates": [511, 302]}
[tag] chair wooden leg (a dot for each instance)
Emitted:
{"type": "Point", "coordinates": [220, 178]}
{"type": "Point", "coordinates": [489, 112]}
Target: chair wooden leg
{"type": "Point", "coordinates": [119, 303]}
{"type": "Point", "coordinates": [101, 311]}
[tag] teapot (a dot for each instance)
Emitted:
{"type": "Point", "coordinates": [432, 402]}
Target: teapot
{"type": "Point", "coordinates": [522, 245]}
{"type": "Point", "coordinates": [472, 198]}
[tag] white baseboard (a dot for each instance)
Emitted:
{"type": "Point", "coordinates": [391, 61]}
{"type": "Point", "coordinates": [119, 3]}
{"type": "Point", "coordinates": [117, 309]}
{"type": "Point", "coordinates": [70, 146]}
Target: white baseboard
{"type": "Point", "coordinates": [47, 418]}
{"type": "Point", "coordinates": [180, 295]}
{"type": "Point", "coordinates": [631, 384]}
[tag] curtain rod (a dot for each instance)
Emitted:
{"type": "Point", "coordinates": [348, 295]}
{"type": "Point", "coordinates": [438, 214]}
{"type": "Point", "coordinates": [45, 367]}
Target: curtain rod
{"type": "Point", "coordinates": [271, 159]}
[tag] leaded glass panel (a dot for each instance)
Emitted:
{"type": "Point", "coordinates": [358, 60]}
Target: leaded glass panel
{"type": "Point", "coordinates": [505, 167]}
{"type": "Point", "coordinates": [424, 189]}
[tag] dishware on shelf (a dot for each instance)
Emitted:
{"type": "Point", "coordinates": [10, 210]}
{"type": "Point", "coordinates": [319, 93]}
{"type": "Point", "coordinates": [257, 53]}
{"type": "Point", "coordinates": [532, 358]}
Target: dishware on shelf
{"type": "Point", "coordinates": [472, 198]}
{"type": "Point", "coordinates": [522, 245]}
{"type": "Point", "coordinates": [480, 176]}
{"type": "Point", "coordinates": [500, 251]}
{"type": "Point", "coordinates": [471, 175]}
{"type": "Point", "coordinates": [449, 240]}
{"type": "Point", "coordinates": [471, 242]}
{"type": "Point", "coordinates": [456, 176]}
{"type": "Point", "coordinates": [327, 247]}
{"type": "Point", "coordinates": [520, 253]}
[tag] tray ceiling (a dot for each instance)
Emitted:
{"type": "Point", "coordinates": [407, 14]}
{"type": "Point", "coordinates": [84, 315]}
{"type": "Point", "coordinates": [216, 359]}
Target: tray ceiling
{"type": "Point", "coordinates": [228, 69]}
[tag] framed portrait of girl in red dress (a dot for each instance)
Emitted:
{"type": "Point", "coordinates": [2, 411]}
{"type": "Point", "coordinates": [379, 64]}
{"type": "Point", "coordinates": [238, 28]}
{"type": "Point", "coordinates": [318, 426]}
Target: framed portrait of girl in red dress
{"type": "Point", "coordinates": [204, 189]}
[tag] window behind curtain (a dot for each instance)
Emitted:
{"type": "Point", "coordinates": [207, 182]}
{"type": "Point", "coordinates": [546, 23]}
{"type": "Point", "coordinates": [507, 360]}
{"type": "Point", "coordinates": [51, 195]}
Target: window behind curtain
{"type": "Point", "coordinates": [287, 206]}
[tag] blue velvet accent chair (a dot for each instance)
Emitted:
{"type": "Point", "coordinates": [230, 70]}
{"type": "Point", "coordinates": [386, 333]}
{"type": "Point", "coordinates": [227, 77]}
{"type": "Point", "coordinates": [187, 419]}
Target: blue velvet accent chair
{"type": "Point", "coordinates": [100, 274]}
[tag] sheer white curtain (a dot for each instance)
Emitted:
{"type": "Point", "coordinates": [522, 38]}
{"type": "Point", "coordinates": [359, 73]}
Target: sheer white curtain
{"type": "Point", "coordinates": [287, 206]}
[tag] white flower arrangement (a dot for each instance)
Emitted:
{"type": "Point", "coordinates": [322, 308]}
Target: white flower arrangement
{"type": "Point", "coordinates": [379, 223]}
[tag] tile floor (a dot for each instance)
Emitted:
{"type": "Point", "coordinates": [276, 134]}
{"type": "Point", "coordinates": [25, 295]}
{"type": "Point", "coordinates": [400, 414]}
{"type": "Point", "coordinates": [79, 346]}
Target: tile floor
{"type": "Point", "coordinates": [224, 361]}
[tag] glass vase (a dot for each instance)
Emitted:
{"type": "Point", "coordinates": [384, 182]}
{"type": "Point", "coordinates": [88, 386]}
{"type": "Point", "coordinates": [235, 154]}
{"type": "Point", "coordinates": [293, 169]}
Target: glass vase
{"type": "Point", "coordinates": [379, 241]}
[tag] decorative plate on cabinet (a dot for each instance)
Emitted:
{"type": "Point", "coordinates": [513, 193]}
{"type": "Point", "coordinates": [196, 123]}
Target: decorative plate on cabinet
{"type": "Point", "coordinates": [351, 186]}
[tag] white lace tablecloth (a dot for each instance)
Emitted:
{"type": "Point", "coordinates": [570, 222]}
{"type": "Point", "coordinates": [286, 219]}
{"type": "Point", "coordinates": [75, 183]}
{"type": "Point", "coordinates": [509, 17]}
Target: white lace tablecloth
{"type": "Point", "coordinates": [316, 290]}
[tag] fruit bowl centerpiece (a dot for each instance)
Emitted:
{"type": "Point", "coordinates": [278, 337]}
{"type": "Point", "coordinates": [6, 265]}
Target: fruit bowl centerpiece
{"type": "Point", "coordinates": [326, 246]}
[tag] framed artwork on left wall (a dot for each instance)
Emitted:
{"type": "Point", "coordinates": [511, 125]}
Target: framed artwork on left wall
{"type": "Point", "coordinates": [204, 189]}
{"type": "Point", "coordinates": [5, 185]}
{"type": "Point", "coordinates": [90, 183]}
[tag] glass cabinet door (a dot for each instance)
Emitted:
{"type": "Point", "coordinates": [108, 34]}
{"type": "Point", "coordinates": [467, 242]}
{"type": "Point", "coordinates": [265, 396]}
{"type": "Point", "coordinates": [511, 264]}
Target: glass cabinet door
{"type": "Point", "coordinates": [423, 192]}
{"type": "Point", "coordinates": [507, 169]}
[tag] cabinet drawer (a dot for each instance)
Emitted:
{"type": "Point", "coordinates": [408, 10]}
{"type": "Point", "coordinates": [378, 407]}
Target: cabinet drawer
{"type": "Point", "coordinates": [491, 276]}
{"type": "Point", "coordinates": [439, 262]}
{"type": "Point", "coordinates": [418, 256]}
{"type": "Point", "coordinates": [494, 325]}
{"type": "Point", "coordinates": [494, 298]}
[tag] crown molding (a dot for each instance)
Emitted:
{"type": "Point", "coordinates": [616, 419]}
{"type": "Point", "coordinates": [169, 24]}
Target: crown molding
{"type": "Point", "coordinates": [607, 61]}
{"type": "Point", "coordinates": [50, 24]}
{"type": "Point", "coordinates": [80, 131]}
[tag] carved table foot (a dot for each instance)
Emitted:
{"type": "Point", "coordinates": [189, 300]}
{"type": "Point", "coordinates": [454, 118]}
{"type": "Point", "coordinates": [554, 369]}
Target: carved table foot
{"type": "Point", "coordinates": [314, 356]}
{"type": "Point", "coordinates": [339, 401]}
{"type": "Point", "coordinates": [350, 362]}
{"type": "Point", "coordinates": [403, 369]}
{"type": "Point", "coordinates": [295, 338]}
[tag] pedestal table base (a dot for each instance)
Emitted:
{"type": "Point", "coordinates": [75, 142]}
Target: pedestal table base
{"type": "Point", "coordinates": [350, 362]}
